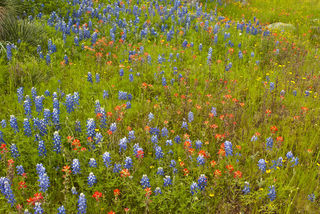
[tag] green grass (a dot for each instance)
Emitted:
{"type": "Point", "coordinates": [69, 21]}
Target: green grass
{"type": "Point", "coordinates": [242, 96]}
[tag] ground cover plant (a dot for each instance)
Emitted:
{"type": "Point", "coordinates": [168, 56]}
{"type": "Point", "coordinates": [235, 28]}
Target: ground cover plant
{"type": "Point", "coordinates": [159, 107]}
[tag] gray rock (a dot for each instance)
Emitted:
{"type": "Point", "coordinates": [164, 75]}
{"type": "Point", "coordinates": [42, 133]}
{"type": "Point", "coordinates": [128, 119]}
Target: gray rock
{"type": "Point", "coordinates": [281, 26]}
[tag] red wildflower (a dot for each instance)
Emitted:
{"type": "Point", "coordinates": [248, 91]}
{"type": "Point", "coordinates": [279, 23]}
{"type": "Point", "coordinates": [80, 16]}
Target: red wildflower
{"type": "Point", "coordinates": [124, 173]}
{"type": "Point", "coordinates": [116, 192]}
{"type": "Point", "coordinates": [213, 163]}
{"type": "Point", "coordinates": [229, 167]}
{"type": "Point", "coordinates": [237, 174]}
{"type": "Point", "coordinates": [97, 195]}
{"type": "Point", "coordinates": [22, 185]}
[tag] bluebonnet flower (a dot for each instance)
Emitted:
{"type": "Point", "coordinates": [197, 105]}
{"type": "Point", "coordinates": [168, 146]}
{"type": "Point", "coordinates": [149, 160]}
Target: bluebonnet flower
{"type": "Point", "coordinates": [158, 152]}
{"type": "Point", "coordinates": [78, 126]}
{"type": "Point", "coordinates": [190, 116]}
{"type": "Point", "coordinates": [5, 188]}
{"type": "Point", "coordinates": [66, 60]}
{"type": "Point", "coordinates": [262, 165]}
{"type": "Point", "coordinates": [3, 123]}
{"type": "Point", "coordinates": [89, 78]}
{"type": "Point", "coordinates": [74, 191]}
{"type": "Point", "coordinates": [154, 139]}
{"type": "Point", "coordinates": [91, 126]}
{"type": "Point", "coordinates": [228, 148]}
{"type": "Point", "coordinates": [97, 107]}
{"type": "Point", "coordinates": [56, 104]}
{"type": "Point", "coordinates": [289, 155]}
{"type": "Point", "coordinates": [113, 127]}
{"type": "Point", "coordinates": [173, 163]}
{"type": "Point", "coordinates": [117, 168]}
{"type": "Point", "coordinates": [1, 137]}
{"type": "Point", "coordinates": [184, 125]}
{"type": "Point", "coordinates": [160, 171]}
{"type": "Point", "coordinates": [307, 93]}
{"type": "Point", "coordinates": [200, 47]}
{"type": "Point", "coordinates": [131, 135]}
{"type": "Point", "coordinates": [128, 163]}
{"type": "Point", "coordinates": [27, 127]}
{"type": "Point", "coordinates": [40, 169]}
{"type": "Point", "coordinates": [254, 138]}
{"type": "Point", "coordinates": [145, 182]}
{"type": "Point", "coordinates": [14, 123]}
{"type": "Point", "coordinates": [269, 143]}
{"type": "Point", "coordinates": [131, 77]}
{"type": "Point", "coordinates": [106, 159]}
{"type": "Point", "coordinates": [194, 188]}
{"type": "Point", "coordinates": [56, 117]}
{"type": "Point", "coordinates": [61, 210]}
{"type": "Point", "coordinates": [75, 166]}
{"type": "Point", "coordinates": [39, 103]}
{"type": "Point", "coordinates": [37, 208]}
{"type": "Point", "coordinates": [56, 142]}
{"type": "Point", "coordinates": [246, 188]}
{"type": "Point", "coordinates": [123, 144]}
{"type": "Point", "coordinates": [271, 86]}
{"type": "Point", "coordinates": [164, 132]}
{"type": "Point", "coordinates": [164, 81]}
{"type": "Point", "coordinates": [202, 181]}
{"type": "Point", "coordinates": [46, 115]}
{"type": "Point", "coordinates": [105, 94]}
{"type": "Point", "coordinates": [157, 191]}
{"type": "Point", "coordinates": [272, 193]}
{"type": "Point", "coordinates": [92, 179]}
{"type": "Point", "coordinates": [42, 149]}
{"type": "Point", "coordinates": [201, 160]}
{"type": "Point", "coordinates": [20, 170]}
{"type": "Point", "coordinates": [177, 139]}
{"type": "Point", "coordinates": [20, 94]}
{"type": "Point", "coordinates": [121, 73]}
{"type": "Point", "coordinates": [82, 204]}
{"type": "Point", "coordinates": [167, 181]}
{"type": "Point", "coordinates": [9, 52]}
{"type": "Point", "coordinates": [14, 151]}
{"type": "Point", "coordinates": [198, 144]}
{"type": "Point", "coordinates": [150, 117]}
{"type": "Point", "coordinates": [169, 143]}
{"type": "Point", "coordinates": [69, 103]}
{"type": "Point", "coordinates": [294, 92]}
{"type": "Point", "coordinates": [76, 41]}
{"type": "Point", "coordinates": [311, 197]}
{"type": "Point", "coordinates": [295, 161]}
{"type": "Point", "coordinates": [48, 59]}
{"type": "Point", "coordinates": [92, 162]}
{"type": "Point", "coordinates": [34, 93]}
{"type": "Point", "coordinates": [76, 98]}
{"type": "Point", "coordinates": [44, 182]}
{"type": "Point", "coordinates": [97, 77]}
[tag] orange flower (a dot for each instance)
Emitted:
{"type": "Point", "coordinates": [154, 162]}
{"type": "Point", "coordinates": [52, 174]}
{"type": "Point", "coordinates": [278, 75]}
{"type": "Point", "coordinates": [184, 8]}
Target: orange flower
{"type": "Point", "coordinates": [217, 173]}
{"type": "Point", "coordinates": [213, 163]}
{"type": "Point", "coordinates": [237, 174]}
{"type": "Point", "coordinates": [125, 173]}
{"type": "Point", "coordinates": [97, 195]}
{"type": "Point", "coordinates": [229, 167]}
{"type": "Point", "coordinates": [116, 192]}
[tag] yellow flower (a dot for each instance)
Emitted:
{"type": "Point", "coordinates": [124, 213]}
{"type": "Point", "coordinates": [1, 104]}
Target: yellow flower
{"type": "Point", "coordinates": [151, 167]}
{"type": "Point", "coordinates": [96, 130]}
{"type": "Point", "coordinates": [268, 171]}
{"type": "Point", "coordinates": [211, 194]}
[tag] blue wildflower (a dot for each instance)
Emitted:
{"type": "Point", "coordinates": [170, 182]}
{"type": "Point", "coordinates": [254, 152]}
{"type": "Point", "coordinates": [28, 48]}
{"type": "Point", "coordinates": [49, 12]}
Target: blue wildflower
{"type": "Point", "coordinates": [145, 182]}
{"type": "Point", "coordinates": [75, 166]}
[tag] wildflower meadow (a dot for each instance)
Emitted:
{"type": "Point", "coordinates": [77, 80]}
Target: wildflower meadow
{"type": "Point", "coordinates": [164, 106]}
